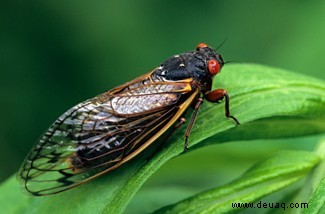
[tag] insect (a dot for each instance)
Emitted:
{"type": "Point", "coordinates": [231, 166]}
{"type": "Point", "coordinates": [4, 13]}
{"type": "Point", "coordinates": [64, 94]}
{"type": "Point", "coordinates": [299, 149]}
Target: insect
{"type": "Point", "coordinates": [100, 134]}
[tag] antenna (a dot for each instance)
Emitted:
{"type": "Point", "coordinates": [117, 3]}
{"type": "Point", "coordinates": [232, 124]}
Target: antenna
{"type": "Point", "coordinates": [224, 41]}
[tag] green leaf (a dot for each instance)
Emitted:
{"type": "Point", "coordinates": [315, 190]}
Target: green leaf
{"type": "Point", "coordinates": [270, 97]}
{"type": "Point", "coordinates": [262, 179]}
{"type": "Point", "coordinates": [317, 202]}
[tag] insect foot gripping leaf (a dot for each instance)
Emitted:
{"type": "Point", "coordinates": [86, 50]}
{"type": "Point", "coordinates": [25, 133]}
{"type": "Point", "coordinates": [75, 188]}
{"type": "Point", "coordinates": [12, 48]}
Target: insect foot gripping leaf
{"type": "Point", "coordinates": [100, 134]}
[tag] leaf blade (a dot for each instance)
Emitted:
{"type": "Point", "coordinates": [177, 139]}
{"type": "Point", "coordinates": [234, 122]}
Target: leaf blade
{"type": "Point", "coordinates": [256, 92]}
{"type": "Point", "coordinates": [260, 180]}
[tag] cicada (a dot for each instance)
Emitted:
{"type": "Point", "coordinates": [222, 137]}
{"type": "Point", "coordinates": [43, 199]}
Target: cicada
{"type": "Point", "coordinates": [102, 133]}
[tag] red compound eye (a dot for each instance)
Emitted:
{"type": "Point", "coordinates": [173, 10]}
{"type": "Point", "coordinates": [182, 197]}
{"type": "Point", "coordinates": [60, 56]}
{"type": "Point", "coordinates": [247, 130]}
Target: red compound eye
{"type": "Point", "coordinates": [201, 45]}
{"type": "Point", "coordinates": [213, 66]}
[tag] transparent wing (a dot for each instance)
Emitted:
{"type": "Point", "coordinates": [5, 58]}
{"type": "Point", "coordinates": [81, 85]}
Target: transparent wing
{"type": "Point", "coordinates": [100, 134]}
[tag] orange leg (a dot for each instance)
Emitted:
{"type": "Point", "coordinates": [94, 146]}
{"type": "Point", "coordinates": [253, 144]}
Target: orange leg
{"type": "Point", "coordinates": [192, 120]}
{"type": "Point", "coordinates": [215, 96]}
{"type": "Point", "coordinates": [181, 121]}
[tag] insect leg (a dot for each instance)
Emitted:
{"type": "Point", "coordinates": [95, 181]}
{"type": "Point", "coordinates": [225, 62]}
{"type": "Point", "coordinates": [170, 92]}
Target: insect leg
{"type": "Point", "coordinates": [192, 120]}
{"type": "Point", "coordinates": [217, 95]}
{"type": "Point", "coordinates": [181, 121]}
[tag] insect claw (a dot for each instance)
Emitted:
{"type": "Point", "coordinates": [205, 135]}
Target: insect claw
{"type": "Point", "coordinates": [235, 119]}
{"type": "Point", "coordinates": [186, 144]}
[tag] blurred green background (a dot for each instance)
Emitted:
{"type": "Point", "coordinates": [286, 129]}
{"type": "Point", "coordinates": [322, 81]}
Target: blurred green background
{"type": "Point", "coordinates": [55, 54]}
